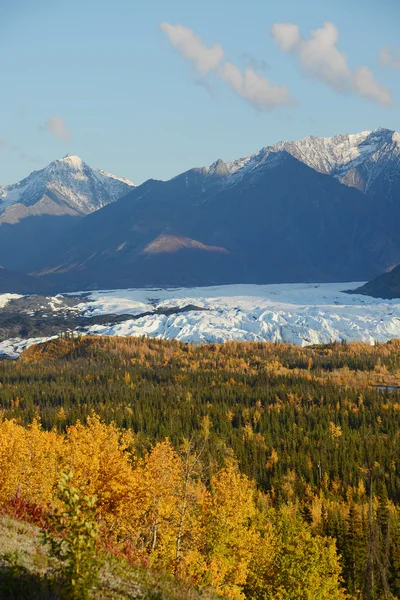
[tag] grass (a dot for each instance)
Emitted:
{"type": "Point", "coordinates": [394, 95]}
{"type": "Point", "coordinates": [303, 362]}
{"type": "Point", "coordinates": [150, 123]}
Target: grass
{"type": "Point", "coordinates": [27, 572]}
{"type": "Point", "coordinates": [24, 565]}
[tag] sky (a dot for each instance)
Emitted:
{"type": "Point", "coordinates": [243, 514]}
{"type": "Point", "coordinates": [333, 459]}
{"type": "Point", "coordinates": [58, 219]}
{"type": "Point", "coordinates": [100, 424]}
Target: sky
{"type": "Point", "coordinates": [149, 88]}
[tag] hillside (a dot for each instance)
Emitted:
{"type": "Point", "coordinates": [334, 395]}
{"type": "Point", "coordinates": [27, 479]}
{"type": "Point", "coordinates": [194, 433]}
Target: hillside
{"type": "Point", "coordinates": [19, 283]}
{"type": "Point", "coordinates": [28, 573]}
{"type": "Point", "coordinates": [145, 385]}
{"type": "Point", "coordinates": [192, 462]}
{"type": "Point", "coordinates": [386, 285]}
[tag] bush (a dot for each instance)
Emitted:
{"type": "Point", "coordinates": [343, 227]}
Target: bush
{"type": "Point", "coordinates": [72, 540]}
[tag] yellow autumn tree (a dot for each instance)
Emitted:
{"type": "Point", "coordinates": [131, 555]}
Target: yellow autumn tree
{"type": "Point", "coordinates": [29, 462]}
{"type": "Point", "coordinates": [99, 457]}
{"type": "Point", "coordinates": [166, 500]}
{"type": "Point", "coordinates": [302, 565]}
{"type": "Point", "coordinates": [42, 457]}
{"type": "Point", "coordinates": [230, 534]}
{"type": "Point", "coordinates": [12, 440]}
{"type": "Point", "coordinates": [155, 494]}
{"type": "Point", "coordinates": [261, 566]}
{"type": "Point", "coordinates": [189, 561]}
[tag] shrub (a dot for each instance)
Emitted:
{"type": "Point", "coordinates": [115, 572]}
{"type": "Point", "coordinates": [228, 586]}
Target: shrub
{"type": "Point", "coordinates": [72, 540]}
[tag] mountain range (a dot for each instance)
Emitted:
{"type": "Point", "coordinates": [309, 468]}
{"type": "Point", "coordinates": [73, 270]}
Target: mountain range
{"type": "Point", "coordinates": [317, 210]}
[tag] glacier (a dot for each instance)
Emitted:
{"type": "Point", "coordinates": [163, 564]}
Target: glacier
{"type": "Point", "coordinates": [301, 314]}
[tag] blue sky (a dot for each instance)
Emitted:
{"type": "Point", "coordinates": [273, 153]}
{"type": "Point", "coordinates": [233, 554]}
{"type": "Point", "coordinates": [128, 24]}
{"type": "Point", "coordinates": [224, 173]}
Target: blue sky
{"type": "Point", "coordinates": [101, 79]}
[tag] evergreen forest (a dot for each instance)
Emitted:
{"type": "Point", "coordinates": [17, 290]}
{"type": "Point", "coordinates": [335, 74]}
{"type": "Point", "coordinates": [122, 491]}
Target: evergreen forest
{"type": "Point", "coordinates": [254, 470]}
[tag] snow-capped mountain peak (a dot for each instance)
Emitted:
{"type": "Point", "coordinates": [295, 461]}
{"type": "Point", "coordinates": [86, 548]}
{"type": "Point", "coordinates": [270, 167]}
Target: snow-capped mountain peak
{"type": "Point", "coordinates": [334, 153]}
{"type": "Point", "coordinates": [355, 159]}
{"type": "Point", "coordinates": [66, 186]}
{"type": "Point", "coordinates": [75, 162]}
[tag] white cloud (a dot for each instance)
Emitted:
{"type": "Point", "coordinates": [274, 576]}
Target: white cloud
{"type": "Point", "coordinates": [365, 84]}
{"type": "Point", "coordinates": [255, 88]}
{"type": "Point", "coordinates": [2, 143]}
{"type": "Point", "coordinates": [192, 47]}
{"type": "Point", "coordinates": [318, 55]}
{"type": "Point", "coordinates": [287, 35]}
{"type": "Point", "coordinates": [248, 84]}
{"type": "Point", "coordinates": [320, 58]}
{"type": "Point", "coordinates": [389, 57]}
{"type": "Point", "coordinates": [56, 126]}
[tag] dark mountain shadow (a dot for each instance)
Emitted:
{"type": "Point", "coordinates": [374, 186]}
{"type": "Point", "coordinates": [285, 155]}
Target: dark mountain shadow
{"type": "Point", "coordinates": [284, 223]}
{"type": "Point", "coordinates": [287, 223]}
{"type": "Point", "coordinates": [25, 245]}
{"type": "Point", "coordinates": [12, 282]}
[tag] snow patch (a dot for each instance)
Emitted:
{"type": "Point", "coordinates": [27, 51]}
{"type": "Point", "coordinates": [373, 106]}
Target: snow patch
{"type": "Point", "coordinates": [12, 348]}
{"type": "Point", "coordinates": [5, 299]}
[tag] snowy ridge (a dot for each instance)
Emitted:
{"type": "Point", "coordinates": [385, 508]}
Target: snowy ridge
{"type": "Point", "coordinates": [300, 314]}
{"type": "Point", "coordinates": [337, 156]}
{"type": "Point", "coordinates": [80, 187]}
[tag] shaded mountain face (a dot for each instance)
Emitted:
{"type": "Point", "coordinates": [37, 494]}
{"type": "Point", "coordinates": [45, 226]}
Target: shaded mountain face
{"type": "Point", "coordinates": [18, 283]}
{"type": "Point", "coordinates": [274, 220]}
{"type": "Point", "coordinates": [386, 285]}
{"type": "Point", "coordinates": [314, 210]}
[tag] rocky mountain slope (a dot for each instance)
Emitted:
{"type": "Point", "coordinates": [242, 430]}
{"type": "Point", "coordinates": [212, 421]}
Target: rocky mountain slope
{"type": "Point", "coordinates": [65, 187]}
{"type": "Point", "coordinates": [358, 160]}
